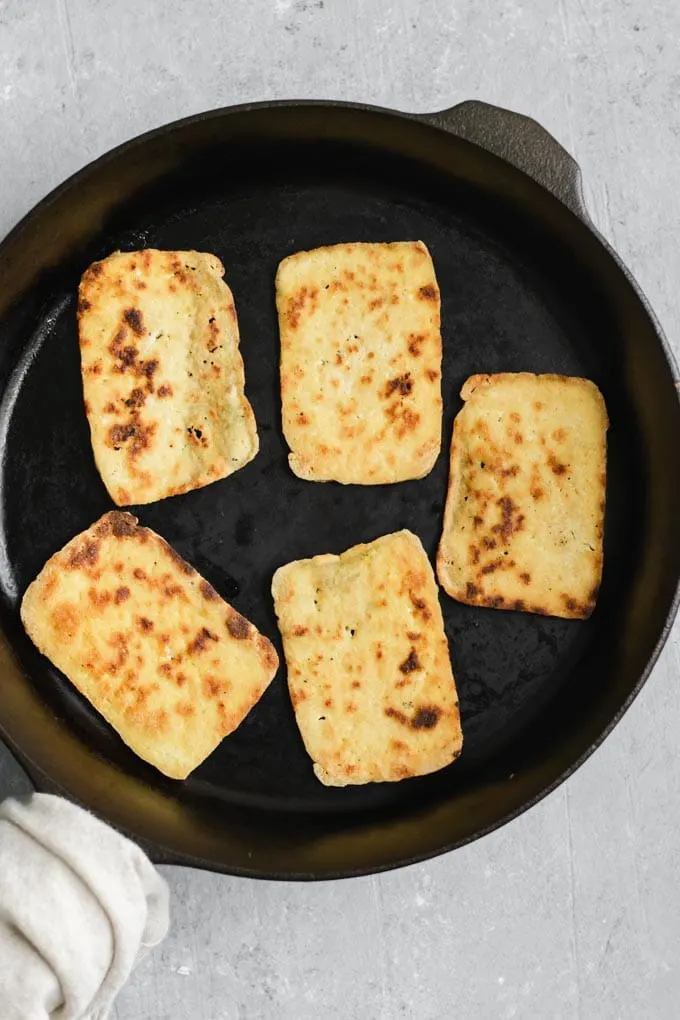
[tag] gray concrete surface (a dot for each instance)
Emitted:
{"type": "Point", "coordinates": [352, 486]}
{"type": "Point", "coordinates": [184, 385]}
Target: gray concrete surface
{"type": "Point", "coordinates": [573, 911]}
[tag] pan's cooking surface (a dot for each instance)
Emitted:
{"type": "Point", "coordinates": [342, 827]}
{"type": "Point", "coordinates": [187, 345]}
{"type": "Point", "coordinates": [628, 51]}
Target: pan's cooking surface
{"type": "Point", "coordinates": [509, 303]}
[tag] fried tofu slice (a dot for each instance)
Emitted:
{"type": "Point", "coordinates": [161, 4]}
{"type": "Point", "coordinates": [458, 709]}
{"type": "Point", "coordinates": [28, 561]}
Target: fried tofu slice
{"type": "Point", "coordinates": [524, 515]}
{"type": "Point", "coordinates": [369, 671]}
{"type": "Point", "coordinates": [163, 377]}
{"type": "Point", "coordinates": [361, 356]}
{"type": "Point", "coordinates": [170, 665]}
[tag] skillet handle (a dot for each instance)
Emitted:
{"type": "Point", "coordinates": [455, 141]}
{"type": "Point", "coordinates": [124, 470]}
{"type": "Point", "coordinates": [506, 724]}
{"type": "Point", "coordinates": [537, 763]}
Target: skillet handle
{"type": "Point", "coordinates": [18, 779]}
{"type": "Point", "coordinates": [518, 140]}
{"type": "Point", "coordinates": [14, 780]}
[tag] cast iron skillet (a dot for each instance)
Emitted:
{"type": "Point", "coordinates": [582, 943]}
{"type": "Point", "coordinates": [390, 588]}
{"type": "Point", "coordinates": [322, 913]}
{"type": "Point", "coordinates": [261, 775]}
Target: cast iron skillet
{"type": "Point", "coordinates": [527, 284]}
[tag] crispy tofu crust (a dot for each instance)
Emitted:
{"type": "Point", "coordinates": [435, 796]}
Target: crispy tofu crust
{"type": "Point", "coordinates": [524, 516]}
{"type": "Point", "coordinates": [167, 662]}
{"type": "Point", "coordinates": [369, 671]}
{"type": "Point", "coordinates": [361, 359]}
{"type": "Point", "coordinates": [163, 377]}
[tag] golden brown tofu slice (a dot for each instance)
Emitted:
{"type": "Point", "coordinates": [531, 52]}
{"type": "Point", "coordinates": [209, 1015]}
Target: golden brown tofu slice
{"type": "Point", "coordinates": [163, 376]}
{"type": "Point", "coordinates": [361, 359]}
{"type": "Point", "coordinates": [369, 671]}
{"type": "Point", "coordinates": [524, 514]}
{"type": "Point", "coordinates": [167, 662]}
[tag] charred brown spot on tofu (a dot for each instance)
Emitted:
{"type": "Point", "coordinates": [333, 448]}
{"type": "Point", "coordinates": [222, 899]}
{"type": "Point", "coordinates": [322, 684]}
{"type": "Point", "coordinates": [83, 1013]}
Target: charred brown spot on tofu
{"type": "Point", "coordinates": [238, 626]}
{"type": "Point", "coordinates": [411, 663]}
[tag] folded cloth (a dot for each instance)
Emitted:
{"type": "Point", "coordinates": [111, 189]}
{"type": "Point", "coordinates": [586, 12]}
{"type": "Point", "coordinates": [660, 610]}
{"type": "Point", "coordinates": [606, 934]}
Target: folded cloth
{"type": "Point", "coordinates": [79, 906]}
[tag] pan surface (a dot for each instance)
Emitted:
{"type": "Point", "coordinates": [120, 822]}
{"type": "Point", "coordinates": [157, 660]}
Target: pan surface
{"type": "Point", "coordinates": [526, 286]}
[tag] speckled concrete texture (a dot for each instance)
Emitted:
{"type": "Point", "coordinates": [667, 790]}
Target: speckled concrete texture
{"type": "Point", "coordinates": [573, 911]}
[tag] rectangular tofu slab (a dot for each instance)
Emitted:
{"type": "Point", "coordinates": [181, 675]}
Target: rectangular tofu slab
{"type": "Point", "coordinates": [369, 671]}
{"type": "Point", "coordinates": [170, 665]}
{"type": "Point", "coordinates": [361, 359]}
{"type": "Point", "coordinates": [163, 376]}
{"type": "Point", "coordinates": [524, 514]}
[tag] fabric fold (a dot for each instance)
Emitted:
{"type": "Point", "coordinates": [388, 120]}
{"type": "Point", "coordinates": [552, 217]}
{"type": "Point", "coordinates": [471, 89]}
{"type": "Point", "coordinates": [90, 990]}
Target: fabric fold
{"type": "Point", "coordinates": [79, 906]}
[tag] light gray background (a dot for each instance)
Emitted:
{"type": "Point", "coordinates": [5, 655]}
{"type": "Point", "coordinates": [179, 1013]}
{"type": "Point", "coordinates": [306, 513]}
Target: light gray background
{"type": "Point", "coordinates": [573, 911]}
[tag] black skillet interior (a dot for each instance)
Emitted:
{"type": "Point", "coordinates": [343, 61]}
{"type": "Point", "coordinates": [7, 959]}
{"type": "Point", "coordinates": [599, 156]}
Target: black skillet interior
{"type": "Point", "coordinates": [517, 294]}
